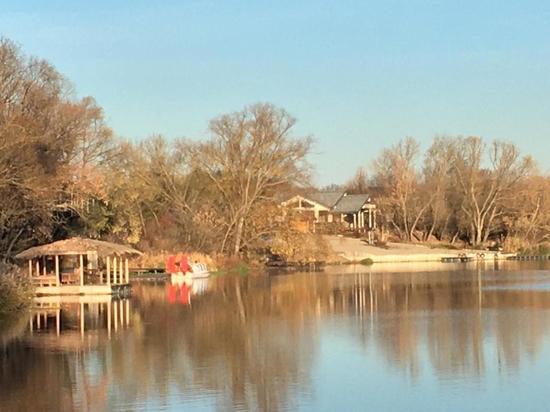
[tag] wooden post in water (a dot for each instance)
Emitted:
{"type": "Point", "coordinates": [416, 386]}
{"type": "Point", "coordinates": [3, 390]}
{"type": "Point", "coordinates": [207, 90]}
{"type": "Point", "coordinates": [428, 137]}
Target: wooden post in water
{"type": "Point", "coordinates": [58, 322]}
{"type": "Point", "coordinates": [82, 319]}
{"type": "Point", "coordinates": [127, 303]}
{"type": "Point", "coordinates": [121, 313]}
{"type": "Point", "coordinates": [115, 317]}
{"type": "Point", "coordinates": [126, 271]}
{"type": "Point", "coordinates": [109, 319]}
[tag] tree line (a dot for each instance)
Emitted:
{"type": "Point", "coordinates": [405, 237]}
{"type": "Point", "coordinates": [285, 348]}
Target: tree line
{"type": "Point", "coordinates": [461, 189]}
{"type": "Point", "coordinates": [63, 172]}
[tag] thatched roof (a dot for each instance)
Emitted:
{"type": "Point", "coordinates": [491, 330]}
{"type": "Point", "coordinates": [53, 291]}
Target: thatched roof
{"type": "Point", "coordinates": [78, 246]}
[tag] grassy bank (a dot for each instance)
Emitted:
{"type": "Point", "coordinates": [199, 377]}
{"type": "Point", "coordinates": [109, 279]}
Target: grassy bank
{"type": "Point", "coordinates": [217, 264]}
{"type": "Point", "coordinates": [15, 291]}
{"type": "Point", "coordinates": [542, 249]}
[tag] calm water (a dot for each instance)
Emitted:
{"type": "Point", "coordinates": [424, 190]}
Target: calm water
{"type": "Point", "coordinates": [465, 338]}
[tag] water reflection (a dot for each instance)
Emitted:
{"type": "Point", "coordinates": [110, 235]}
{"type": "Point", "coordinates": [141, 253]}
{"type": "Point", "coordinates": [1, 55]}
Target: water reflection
{"type": "Point", "coordinates": [77, 321]}
{"type": "Point", "coordinates": [59, 361]}
{"type": "Point", "coordinates": [275, 343]}
{"type": "Point", "coordinates": [181, 290]}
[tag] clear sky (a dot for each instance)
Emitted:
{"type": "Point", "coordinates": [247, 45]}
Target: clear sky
{"type": "Point", "coordinates": [358, 75]}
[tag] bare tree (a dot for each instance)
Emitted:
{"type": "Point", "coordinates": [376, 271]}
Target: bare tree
{"type": "Point", "coordinates": [250, 155]}
{"type": "Point", "coordinates": [436, 175]}
{"type": "Point", "coordinates": [359, 183]}
{"type": "Point", "coordinates": [483, 189]}
{"type": "Point", "coordinates": [405, 196]}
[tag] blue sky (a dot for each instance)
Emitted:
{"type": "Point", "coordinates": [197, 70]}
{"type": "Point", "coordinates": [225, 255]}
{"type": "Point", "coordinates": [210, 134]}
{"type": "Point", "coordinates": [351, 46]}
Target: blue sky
{"type": "Point", "coordinates": [358, 75]}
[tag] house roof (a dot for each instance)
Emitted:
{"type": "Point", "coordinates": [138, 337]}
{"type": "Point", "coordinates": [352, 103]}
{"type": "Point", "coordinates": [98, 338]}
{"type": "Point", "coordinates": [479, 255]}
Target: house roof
{"type": "Point", "coordinates": [77, 246]}
{"type": "Point", "coordinates": [351, 203]}
{"type": "Point", "coordinates": [328, 199]}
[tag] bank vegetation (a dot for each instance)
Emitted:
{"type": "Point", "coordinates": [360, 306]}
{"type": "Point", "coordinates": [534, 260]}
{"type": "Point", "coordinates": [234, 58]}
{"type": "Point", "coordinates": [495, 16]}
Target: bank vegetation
{"type": "Point", "coordinates": [460, 191]}
{"type": "Point", "coordinates": [63, 172]}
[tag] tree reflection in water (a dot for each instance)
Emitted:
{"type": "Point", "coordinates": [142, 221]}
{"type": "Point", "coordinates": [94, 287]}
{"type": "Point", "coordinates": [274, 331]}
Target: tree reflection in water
{"type": "Point", "coordinates": [252, 343]}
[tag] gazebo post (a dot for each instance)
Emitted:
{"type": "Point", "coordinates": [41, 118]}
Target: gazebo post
{"type": "Point", "coordinates": [81, 258]}
{"type": "Point", "coordinates": [126, 271]}
{"type": "Point", "coordinates": [108, 270]}
{"type": "Point", "coordinates": [121, 272]}
{"type": "Point", "coordinates": [30, 268]}
{"type": "Point", "coordinates": [114, 270]}
{"type": "Point", "coordinates": [37, 267]}
{"type": "Point", "coordinates": [57, 277]}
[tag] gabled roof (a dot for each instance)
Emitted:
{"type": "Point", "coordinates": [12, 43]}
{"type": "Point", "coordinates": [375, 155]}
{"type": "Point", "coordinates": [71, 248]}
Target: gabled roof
{"type": "Point", "coordinates": [328, 199]}
{"type": "Point", "coordinates": [351, 203]}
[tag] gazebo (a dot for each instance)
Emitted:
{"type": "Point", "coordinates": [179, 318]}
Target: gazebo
{"type": "Point", "coordinates": [79, 266]}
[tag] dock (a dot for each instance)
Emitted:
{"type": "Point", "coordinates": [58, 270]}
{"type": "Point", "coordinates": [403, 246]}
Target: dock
{"type": "Point", "coordinates": [532, 257]}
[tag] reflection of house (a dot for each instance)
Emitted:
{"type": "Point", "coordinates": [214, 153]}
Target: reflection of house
{"type": "Point", "coordinates": [352, 212]}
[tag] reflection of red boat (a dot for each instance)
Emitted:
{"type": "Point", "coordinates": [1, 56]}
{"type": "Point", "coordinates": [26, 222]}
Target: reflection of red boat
{"type": "Point", "coordinates": [179, 293]}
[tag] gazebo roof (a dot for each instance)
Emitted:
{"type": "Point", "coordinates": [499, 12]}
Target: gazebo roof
{"type": "Point", "coordinates": [78, 246]}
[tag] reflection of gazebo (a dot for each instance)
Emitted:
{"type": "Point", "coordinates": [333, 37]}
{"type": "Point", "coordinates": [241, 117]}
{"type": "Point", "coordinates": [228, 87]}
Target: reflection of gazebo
{"type": "Point", "coordinates": [79, 322]}
{"type": "Point", "coordinates": [79, 266]}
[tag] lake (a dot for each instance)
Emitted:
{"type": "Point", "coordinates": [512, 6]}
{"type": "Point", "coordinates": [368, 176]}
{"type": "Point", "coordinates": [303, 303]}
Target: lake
{"type": "Point", "coordinates": [453, 337]}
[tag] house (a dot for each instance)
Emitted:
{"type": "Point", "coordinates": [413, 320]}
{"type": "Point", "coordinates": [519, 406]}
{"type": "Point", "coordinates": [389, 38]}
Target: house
{"type": "Point", "coordinates": [337, 209]}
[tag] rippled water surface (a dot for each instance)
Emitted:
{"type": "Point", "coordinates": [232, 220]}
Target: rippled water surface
{"type": "Point", "coordinates": [442, 337]}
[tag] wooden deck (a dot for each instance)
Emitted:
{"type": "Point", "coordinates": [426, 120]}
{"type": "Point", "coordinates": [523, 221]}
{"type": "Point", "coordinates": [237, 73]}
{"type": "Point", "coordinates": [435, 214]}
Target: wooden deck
{"type": "Point", "coordinates": [118, 289]}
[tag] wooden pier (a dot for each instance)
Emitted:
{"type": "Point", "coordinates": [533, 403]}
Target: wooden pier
{"type": "Point", "coordinates": [535, 257]}
{"type": "Point", "coordinates": [457, 259]}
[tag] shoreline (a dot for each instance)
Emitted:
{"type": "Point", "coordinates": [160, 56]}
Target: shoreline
{"type": "Point", "coordinates": [350, 251]}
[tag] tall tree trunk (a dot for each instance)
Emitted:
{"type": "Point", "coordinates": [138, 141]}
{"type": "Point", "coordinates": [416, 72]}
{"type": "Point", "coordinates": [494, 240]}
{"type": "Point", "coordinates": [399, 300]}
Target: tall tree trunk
{"type": "Point", "coordinates": [12, 244]}
{"type": "Point", "coordinates": [455, 236]}
{"type": "Point", "coordinates": [238, 236]}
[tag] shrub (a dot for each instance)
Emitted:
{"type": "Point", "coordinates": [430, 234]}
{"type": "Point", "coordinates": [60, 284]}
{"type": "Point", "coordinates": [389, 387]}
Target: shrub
{"type": "Point", "coordinates": [301, 248]}
{"type": "Point", "coordinates": [15, 290]}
